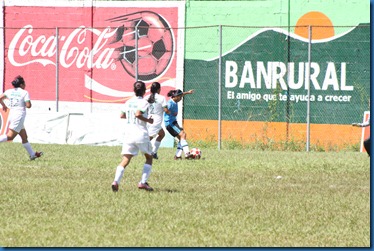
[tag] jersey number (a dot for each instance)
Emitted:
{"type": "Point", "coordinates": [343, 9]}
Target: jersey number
{"type": "Point", "coordinates": [131, 119]}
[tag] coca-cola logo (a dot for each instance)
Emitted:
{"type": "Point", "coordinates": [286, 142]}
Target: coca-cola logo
{"type": "Point", "coordinates": [155, 46]}
{"type": "Point", "coordinates": [104, 58]}
{"type": "Point", "coordinates": [43, 49]}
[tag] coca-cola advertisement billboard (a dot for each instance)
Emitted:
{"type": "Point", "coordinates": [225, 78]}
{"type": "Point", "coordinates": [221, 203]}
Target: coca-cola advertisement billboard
{"type": "Point", "coordinates": [92, 52]}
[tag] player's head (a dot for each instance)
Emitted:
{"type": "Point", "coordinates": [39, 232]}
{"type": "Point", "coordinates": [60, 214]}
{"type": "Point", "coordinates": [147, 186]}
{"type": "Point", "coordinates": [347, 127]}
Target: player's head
{"type": "Point", "coordinates": [18, 81]}
{"type": "Point", "coordinates": [176, 95]}
{"type": "Point", "coordinates": [155, 87]}
{"type": "Point", "coordinates": [139, 88]}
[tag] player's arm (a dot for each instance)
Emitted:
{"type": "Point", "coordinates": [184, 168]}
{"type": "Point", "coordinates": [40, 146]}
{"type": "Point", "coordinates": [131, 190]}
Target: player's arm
{"type": "Point", "coordinates": [28, 104]}
{"type": "Point", "coordinates": [2, 97]}
{"type": "Point", "coordinates": [189, 92]}
{"type": "Point", "coordinates": [27, 100]}
{"type": "Point", "coordinates": [139, 115]}
{"type": "Point", "coordinates": [123, 110]}
{"type": "Point", "coordinates": [166, 110]}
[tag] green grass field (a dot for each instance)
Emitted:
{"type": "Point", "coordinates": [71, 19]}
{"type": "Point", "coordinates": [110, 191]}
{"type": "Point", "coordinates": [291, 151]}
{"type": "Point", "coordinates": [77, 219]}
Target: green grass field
{"type": "Point", "coordinates": [230, 198]}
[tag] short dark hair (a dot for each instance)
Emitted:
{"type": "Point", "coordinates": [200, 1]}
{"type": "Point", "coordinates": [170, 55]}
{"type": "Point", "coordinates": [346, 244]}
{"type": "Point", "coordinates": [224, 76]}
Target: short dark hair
{"type": "Point", "coordinates": [175, 93]}
{"type": "Point", "coordinates": [18, 81]}
{"type": "Point", "coordinates": [139, 88]}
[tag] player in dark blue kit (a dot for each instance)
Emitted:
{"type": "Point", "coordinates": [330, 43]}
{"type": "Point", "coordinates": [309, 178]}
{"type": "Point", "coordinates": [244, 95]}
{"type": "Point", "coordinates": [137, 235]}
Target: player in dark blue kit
{"type": "Point", "coordinates": [171, 124]}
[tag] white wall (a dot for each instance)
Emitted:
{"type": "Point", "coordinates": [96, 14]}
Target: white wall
{"type": "Point", "coordinates": [104, 128]}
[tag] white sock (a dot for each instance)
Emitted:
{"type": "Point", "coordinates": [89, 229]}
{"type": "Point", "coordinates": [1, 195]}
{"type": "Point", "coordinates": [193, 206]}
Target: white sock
{"type": "Point", "coordinates": [178, 153]}
{"type": "Point", "coordinates": [119, 174]}
{"type": "Point", "coordinates": [185, 147]}
{"type": "Point", "coordinates": [147, 168]}
{"type": "Point", "coordinates": [155, 146]}
{"type": "Point", "coordinates": [3, 138]}
{"type": "Point", "coordinates": [28, 148]}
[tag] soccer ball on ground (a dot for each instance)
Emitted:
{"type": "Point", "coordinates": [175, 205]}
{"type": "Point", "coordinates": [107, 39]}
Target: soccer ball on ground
{"type": "Point", "coordinates": [196, 153]}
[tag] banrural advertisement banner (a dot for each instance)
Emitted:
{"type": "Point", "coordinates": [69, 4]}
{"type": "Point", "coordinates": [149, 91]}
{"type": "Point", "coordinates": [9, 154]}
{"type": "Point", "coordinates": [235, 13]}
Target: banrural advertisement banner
{"type": "Point", "coordinates": [257, 74]}
{"type": "Point", "coordinates": [266, 73]}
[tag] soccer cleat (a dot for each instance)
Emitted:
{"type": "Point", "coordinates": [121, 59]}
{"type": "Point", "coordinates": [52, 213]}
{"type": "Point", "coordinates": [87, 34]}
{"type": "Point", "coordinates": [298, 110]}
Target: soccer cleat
{"type": "Point", "coordinates": [145, 186]}
{"type": "Point", "coordinates": [189, 156]}
{"type": "Point", "coordinates": [36, 155]}
{"type": "Point", "coordinates": [177, 158]}
{"type": "Point", "coordinates": [115, 186]}
{"type": "Point", "coordinates": [154, 155]}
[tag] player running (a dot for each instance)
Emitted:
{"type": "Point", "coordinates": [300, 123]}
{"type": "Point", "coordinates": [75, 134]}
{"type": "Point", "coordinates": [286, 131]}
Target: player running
{"type": "Point", "coordinates": [136, 139]}
{"type": "Point", "coordinates": [19, 100]}
{"type": "Point", "coordinates": [157, 108]}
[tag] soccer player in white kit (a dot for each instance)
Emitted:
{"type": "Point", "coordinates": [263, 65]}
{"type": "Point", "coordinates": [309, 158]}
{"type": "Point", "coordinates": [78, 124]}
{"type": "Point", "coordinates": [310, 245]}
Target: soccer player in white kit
{"type": "Point", "coordinates": [19, 100]}
{"type": "Point", "coordinates": [158, 106]}
{"type": "Point", "coordinates": [136, 139]}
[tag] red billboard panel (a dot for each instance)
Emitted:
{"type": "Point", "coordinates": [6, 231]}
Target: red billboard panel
{"type": "Point", "coordinates": [78, 53]}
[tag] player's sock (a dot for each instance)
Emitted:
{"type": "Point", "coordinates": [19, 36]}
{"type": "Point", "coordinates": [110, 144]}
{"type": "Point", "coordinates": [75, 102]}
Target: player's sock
{"type": "Point", "coordinates": [3, 138]}
{"type": "Point", "coordinates": [185, 147]}
{"type": "Point", "coordinates": [155, 146]}
{"type": "Point", "coordinates": [147, 168]}
{"type": "Point", "coordinates": [28, 148]}
{"type": "Point", "coordinates": [119, 174]}
{"type": "Point", "coordinates": [178, 153]}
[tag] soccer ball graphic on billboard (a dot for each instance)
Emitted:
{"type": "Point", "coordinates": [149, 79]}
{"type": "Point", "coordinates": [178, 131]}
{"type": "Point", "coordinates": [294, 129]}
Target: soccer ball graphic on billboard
{"type": "Point", "coordinates": [152, 35]}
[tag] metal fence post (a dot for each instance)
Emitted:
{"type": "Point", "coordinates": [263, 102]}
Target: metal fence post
{"type": "Point", "coordinates": [57, 68]}
{"type": "Point", "coordinates": [308, 84]}
{"type": "Point", "coordinates": [219, 87]}
{"type": "Point", "coordinates": [136, 51]}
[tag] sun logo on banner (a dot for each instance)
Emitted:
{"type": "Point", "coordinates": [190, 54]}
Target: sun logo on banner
{"type": "Point", "coordinates": [322, 26]}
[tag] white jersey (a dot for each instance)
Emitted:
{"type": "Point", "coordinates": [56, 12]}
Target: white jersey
{"type": "Point", "coordinates": [136, 129]}
{"type": "Point", "coordinates": [17, 98]}
{"type": "Point", "coordinates": [156, 110]}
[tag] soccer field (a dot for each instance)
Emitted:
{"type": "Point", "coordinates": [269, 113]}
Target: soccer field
{"type": "Point", "coordinates": [229, 198]}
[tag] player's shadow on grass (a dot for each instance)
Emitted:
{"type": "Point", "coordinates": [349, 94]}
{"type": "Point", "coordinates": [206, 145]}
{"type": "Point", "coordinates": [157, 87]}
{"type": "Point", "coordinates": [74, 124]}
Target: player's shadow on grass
{"type": "Point", "coordinates": [167, 190]}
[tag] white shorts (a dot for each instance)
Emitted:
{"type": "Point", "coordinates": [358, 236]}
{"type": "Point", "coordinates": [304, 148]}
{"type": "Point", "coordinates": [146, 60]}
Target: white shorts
{"type": "Point", "coordinates": [134, 148]}
{"type": "Point", "coordinates": [154, 128]}
{"type": "Point", "coordinates": [17, 121]}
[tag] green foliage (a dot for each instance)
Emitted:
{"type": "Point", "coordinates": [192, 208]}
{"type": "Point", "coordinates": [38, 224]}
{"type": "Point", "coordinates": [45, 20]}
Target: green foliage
{"type": "Point", "coordinates": [229, 198]}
